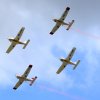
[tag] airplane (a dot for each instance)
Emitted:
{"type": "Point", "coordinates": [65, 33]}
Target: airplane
{"type": "Point", "coordinates": [15, 41]}
{"type": "Point", "coordinates": [67, 61]}
{"type": "Point", "coordinates": [60, 22]}
{"type": "Point", "coordinates": [23, 78]}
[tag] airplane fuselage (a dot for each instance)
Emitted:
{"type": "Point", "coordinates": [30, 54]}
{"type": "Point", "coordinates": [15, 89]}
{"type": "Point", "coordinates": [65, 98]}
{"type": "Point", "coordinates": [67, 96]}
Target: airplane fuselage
{"type": "Point", "coordinates": [64, 60]}
{"type": "Point", "coordinates": [67, 61]}
{"type": "Point", "coordinates": [60, 21]}
{"type": "Point", "coordinates": [23, 78]}
{"type": "Point", "coordinates": [16, 41]}
{"type": "Point", "coordinates": [20, 77]}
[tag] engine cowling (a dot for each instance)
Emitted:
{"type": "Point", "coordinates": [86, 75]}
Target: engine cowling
{"type": "Point", "coordinates": [55, 20]}
{"type": "Point", "coordinates": [63, 60]}
{"type": "Point", "coordinates": [11, 39]}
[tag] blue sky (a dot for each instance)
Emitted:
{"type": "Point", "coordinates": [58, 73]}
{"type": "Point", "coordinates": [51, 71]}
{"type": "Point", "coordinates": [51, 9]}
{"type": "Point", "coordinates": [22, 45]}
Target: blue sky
{"type": "Point", "coordinates": [44, 50]}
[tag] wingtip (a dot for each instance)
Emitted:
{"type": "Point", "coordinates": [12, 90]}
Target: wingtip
{"type": "Point", "coordinates": [74, 48]}
{"type": "Point", "coordinates": [51, 33]}
{"type": "Point", "coordinates": [14, 88]}
{"type": "Point", "coordinates": [36, 77]}
{"type": "Point", "coordinates": [67, 29]}
{"type": "Point", "coordinates": [57, 72]}
{"type": "Point", "coordinates": [30, 66]}
{"type": "Point", "coordinates": [68, 8]}
{"type": "Point", "coordinates": [7, 52]}
{"type": "Point", "coordinates": [23, 28]}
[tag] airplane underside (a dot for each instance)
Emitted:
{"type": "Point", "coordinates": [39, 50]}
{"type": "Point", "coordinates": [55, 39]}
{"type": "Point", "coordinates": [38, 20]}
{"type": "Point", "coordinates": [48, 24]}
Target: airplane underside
{"type": "Point", "coordinates": [67, 61]}
{"type": "Point", "coordinates": [16, 41]}
{"type": "Point", "coordinates": [23, 78]}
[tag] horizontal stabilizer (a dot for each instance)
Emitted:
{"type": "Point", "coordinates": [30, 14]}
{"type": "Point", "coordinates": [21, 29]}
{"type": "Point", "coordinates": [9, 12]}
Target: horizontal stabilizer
{"type": "Point", "coordinates": [26, 44]}
{"type": "Point", "coordinates": [76, 64]}
{"type": "Point", "coordinates": [33, 80]}
{"type": "Point", "coordinates": [70, 24]}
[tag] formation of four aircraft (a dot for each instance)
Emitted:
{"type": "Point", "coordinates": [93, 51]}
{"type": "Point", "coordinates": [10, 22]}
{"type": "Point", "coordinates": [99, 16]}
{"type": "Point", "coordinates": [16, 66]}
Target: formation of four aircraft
{"type": "Point", "coordinates": [65, 62]}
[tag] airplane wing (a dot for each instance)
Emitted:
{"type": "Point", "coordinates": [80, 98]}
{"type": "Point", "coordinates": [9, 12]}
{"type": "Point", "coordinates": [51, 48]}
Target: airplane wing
{"type": "Point", "coordinates": [27, 71]}
{"type": "Point", "coordinates": [13, 44]}
{"type": "Point", "coordinates": [71, 54]}
{"type": "Point", "coordinates": [61, 68]}
{"type": "Point", "coordinates": [20, 33]}
{"type": "Point", "coordinates": [55, 28]}
{"type": "Point", "coordinates": [18, 84]}
{"type": "Point", "coordinates": [64, 14]}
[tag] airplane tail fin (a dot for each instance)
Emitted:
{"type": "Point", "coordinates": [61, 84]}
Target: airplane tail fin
{"type": "Point", "coordinates": [76, 64]}
{"type": "Point", "coordinates": [70, 24]}
{"type": "Point", "coordinates": [33, 80]}
{"type": "Point", "coordinates": [26, 44]}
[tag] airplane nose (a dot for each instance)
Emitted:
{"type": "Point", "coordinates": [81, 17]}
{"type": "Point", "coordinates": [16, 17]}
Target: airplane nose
{"type": "Point", "coordinates": [61, 59]}
{"type": "Point", "coordinates": [17, 76]}
{"type": "Point", "coordinates": [54, 20]}
{"type": "Point", "coordinates": [9, 39]}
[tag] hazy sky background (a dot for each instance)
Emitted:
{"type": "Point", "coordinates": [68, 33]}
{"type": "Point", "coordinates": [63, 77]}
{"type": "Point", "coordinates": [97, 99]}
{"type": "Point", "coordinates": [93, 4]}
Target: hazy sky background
{"type": "Point", "coordinates": [44, 50]}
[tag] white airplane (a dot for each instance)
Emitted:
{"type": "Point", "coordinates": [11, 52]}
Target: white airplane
{"type": "Point", "coordinates": [16, 41]}
{"type": "Point", "coordinates": [23, 78]}
{"type": "Point", "coordinates": [67, 61]}
{"type": "Point", "coordinates": [60, 22]}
